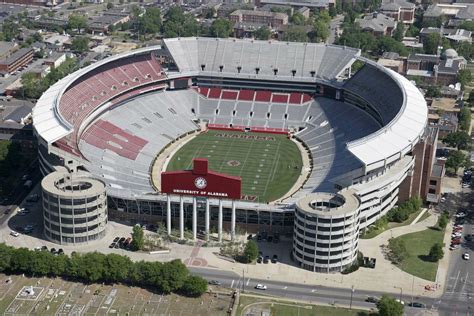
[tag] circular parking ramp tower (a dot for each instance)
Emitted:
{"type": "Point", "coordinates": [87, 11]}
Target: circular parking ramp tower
{"type": "Point", "coordinates": [326, 231]}
{"type": "Point", "coordinates": [75, 208]}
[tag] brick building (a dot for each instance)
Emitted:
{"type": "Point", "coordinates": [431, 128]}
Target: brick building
{"type": "Point", "coordinates": [273, 19]}
{"type": "Point", "coordinates": [400, 10]}
{"type": "Point", "coordinates": [16, 60]}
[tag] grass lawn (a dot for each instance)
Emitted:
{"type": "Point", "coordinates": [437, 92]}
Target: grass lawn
{"type": "Point", "coordinates": [269, 164]}
{"type": "Point", "coordinates": [288, 308]}
{"type": "Point", "coordinates": [418, 246]}
{"type": "Point", "coordinates": [371, 233]}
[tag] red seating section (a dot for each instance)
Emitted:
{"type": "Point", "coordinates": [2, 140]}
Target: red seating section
{"type": "Point", "coordinates": [104, 84]}
{"type": "Point", "coordinates": [105, 135]}
{"type": "Point", "coordinates": [254, 95]}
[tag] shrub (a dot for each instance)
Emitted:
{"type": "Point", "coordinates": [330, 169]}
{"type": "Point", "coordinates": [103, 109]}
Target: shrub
{"type": "Point", "coordinates": [194, 286]}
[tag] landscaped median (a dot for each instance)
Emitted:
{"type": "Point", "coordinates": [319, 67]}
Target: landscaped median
{"type": "Point", "coordinates": [256, 305]}
{"type": "Point", "coordinates": [412, 252]}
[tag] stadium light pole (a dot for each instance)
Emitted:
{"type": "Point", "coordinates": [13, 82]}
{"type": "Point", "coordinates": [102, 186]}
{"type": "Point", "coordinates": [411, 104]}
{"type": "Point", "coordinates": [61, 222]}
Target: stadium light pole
{"type": "Point", "coordinates": [352, 294]}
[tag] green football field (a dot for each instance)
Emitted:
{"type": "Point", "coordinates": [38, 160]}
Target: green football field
{"type": "Point", "coordinates": [269, 164]}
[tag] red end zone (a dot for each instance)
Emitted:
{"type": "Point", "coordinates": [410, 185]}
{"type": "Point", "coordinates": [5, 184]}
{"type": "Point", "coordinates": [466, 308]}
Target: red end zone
{"type": "Point", "coordinates": [201, 182]}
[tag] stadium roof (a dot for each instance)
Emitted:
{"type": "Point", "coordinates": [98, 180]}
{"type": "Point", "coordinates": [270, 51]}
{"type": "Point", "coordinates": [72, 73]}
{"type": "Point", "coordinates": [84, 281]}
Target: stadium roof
{"type": "Point", "coordinates": [260, 59]}
{"type": "Point", "coordinates": [399, 136]}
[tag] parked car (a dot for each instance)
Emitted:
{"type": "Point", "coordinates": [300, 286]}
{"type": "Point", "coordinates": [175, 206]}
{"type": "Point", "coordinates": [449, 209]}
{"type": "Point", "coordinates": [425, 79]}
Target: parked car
{"type": "Point", "coordinates": [112, 245]}
{"type": "Point", "coordinates": [466, 256]}
{"type": "Point", "coordinates": [259, 259]}
{"type": "Point", "coordinates": [372, 299]}
{"type": "Point", "coordinates": [14, 233]}
{"type": "Point", "coordinates": [260, 287]}
{"type": "Point", "coordinates": [266, 259]}
{"type": "Point", "coordinates": [116, 239]}
{"type": "Point", "coordinates": [416, 304]}
{"type": "Point", "coordinates": [214, 282]}
{"type": "Point", "coordinates": [274, 259]}
{"type": "Point", "coordinates": [60, 251]}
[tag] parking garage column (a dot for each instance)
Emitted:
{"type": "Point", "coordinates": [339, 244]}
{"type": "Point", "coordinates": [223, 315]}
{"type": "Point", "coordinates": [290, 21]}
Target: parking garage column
{"type": "Point", "coordinates": [207, 219]}
{"type": "Point", "coordinates": [219, 222]}
{"type": "Point", "coordinates": [194, 218]}
{"type": "Point", "coordinates": [181, 217]}
{"type": "Point", "coordinates": [168, 214]}
{"type": "Point", "coordinates": [232, 221]}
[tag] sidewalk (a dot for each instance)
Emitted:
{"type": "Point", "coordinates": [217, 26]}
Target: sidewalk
{"type": "Point", "coordinates": [385, 277]}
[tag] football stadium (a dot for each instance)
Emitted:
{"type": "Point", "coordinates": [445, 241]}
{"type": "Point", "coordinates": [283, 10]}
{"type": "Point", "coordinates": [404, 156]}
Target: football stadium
{"type": "Point", "coordinates": [226, 134]}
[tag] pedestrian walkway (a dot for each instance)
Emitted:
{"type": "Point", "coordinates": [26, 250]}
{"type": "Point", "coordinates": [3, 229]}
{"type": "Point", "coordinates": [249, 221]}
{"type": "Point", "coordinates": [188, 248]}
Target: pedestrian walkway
{"type": "Point", "coordinates": [419, 216]}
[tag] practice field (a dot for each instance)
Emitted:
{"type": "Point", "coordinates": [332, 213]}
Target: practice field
{"type": "Point", "coordinates": [269, 164]}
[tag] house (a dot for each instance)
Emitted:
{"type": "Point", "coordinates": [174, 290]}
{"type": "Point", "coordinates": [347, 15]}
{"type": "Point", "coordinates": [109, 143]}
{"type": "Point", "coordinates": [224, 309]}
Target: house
{"type": "Point", "coordinates": [400, 10]}
{"type": "Point", "coordinates": [55, 60]}
{"type": "Point", "coordinates": [273, 19]}
{"type": "Point", "coordinates": [447, 124]}
{"type": "Point", "coordinates": [377, 24]}
{"type": "Point", "coordinates": [393, 64]}
{"type": "Point", "coordinates": [311, 4]}
{"type": "Point", "coordinates": [454, 35]}
{"type": "Point", "coordinates": [57, 41]}
{"type": "Point", "coordinates": [455, 12]}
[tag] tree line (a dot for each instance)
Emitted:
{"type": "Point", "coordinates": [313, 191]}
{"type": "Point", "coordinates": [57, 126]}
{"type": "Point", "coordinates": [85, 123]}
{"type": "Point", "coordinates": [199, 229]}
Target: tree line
{"type": "Point", "coordinates": [164, 277]}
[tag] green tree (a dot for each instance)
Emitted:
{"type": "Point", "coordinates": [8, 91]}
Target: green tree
{"type": "Point", "coordinates": [80, 44]}
{"type": "Point", "coordinates": [172, 277]}
{"type": "Point", "coordinates": [388, 306]}
{"type": "Point", "coordinates": [264, 33]}
{"type": "Point", "coordinates": [194, 286]}
{"type": "Point", "coordinates": [295, 33]}
{"type": "Point", "coordinates": [298, 18]}
{"type": "Point", "coordinates": [110, 5]}
{"type": "Point", "coordinates": [456, 160]}
{"type": "Point", "coordinates": [221, 28]}
{"type": "Point", "coordinates": [91, 267]}
{"type": "Point", "coordinates": [149, 22]}
{"type": "Point", "coordinates": [116, 268]}
{"type": "Point", "coordinates": [250, 251]}
{"type": "Point", "coordinates": [388, 44]}
{"type": "Point", "coordinates": [10, 29]}
{"type": "Point", "coordinates": [412, 31]}
{"type": "Point", "coordinates": [465, 118]}
{"type": "Point", "coordinates": [398, 250]}
{"type": "Point", "coordinates": [77, 22]}
{"type": "Point", "coordinates": [461, 140]}
{"type": "Point", "coordinates": [5, 257]}
{"type": "Point", "coordinates": [436, 252]}
{"type": "Point", "coordinates": [443, 221]}
{"type": "Point", "coordinates": [431, 43]}
{"type": "Point", "coordinates": [176, 23]}
{"type": "Point", "coordinates": [399, 31]}
{"type": "Point", "coordinates": [433, 92]}
{"type": "Point", "coordinates": [138, 238]}
{"type": "Point", "coordinates": [464, 77]}
{"type": "Point", "coordinates": [321, 30]}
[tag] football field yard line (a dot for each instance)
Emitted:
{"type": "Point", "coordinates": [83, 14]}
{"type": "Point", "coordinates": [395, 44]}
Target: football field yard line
{"type": "Point", "coordinates": [274, 167]}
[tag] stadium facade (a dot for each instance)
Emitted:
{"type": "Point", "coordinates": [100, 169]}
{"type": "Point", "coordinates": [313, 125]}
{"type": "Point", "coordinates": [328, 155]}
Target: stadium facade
{"type": "Point", "coordinates": [115, 117]}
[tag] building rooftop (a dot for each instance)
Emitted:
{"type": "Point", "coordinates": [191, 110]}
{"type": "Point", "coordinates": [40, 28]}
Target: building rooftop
{"type": "Point", "coordinates": [395, 5]}
{"type": "Point", "coordinates": [376, 22]}
{"type": "Point", "coordinates": [16, 55]}
{"type": "Point", "coordinates": [260, 13]}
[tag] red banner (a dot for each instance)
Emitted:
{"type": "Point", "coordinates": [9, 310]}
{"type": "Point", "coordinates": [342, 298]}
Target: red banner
{"type": "Point", "coordinates": [201, 182]}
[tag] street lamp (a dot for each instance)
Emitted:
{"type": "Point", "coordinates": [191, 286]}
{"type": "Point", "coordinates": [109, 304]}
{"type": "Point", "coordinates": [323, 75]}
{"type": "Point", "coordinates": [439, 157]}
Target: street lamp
{"type": "Point", "coordinates": [401, 292]}
{"type": "Point", "coordinates": [352, 293]}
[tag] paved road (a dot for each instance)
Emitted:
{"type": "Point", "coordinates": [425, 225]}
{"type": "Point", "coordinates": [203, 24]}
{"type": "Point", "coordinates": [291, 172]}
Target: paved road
{"type": "Point", "coordinates": [460, 281]}
{"type": "Point", "coordinates": [324, 295]}
{"type": "Point", "coordinates": [334, 25]}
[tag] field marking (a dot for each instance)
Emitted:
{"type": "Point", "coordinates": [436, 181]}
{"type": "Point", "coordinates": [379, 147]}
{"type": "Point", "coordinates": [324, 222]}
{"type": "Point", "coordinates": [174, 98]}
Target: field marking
{"type": "Point", "coordinates": [274, 167]}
